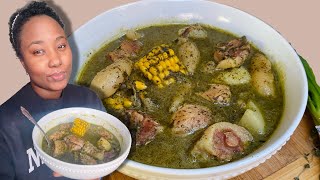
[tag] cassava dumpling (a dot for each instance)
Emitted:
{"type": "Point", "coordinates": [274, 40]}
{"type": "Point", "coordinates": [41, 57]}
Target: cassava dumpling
{"type": "Point", "coordinates": [189, 55]}
{"type": "Point", "coordinates": [262, 76]}
{"type": "Point", "coordinates": [107, 81]}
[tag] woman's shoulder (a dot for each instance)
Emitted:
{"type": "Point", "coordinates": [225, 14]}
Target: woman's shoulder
{"type": "Point", "coordinates": [24, 94]}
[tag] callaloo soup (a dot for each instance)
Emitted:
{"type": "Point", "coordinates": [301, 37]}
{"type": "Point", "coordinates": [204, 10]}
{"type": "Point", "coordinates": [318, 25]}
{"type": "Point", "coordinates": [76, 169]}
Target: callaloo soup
{"type": "Point", "coordinates": [139, 96]}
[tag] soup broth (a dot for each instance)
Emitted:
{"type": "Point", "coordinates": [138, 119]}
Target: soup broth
{"type": "Point", "coordinates": [98, 145]}
{"type": "Point", "coordinates": [167, 149]}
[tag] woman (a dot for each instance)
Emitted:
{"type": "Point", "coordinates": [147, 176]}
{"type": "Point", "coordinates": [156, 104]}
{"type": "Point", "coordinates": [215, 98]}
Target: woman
{"type": "Point", "coordinates": [38, 38]}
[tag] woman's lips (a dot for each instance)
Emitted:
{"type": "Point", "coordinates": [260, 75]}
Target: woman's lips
{"type": "Point", "coordinates": [60, 76]}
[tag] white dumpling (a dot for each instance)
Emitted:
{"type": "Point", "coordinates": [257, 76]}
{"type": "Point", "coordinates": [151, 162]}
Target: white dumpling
{"type": "Point", "coordinates": [108, 80]}
{"type": "Point", "coordinates": [262, 76]}
{"type": "Point", "coordinates": [189, 55]}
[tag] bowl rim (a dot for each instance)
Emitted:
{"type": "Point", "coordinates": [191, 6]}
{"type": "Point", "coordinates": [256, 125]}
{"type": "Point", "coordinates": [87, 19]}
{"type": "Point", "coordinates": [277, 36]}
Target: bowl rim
{"type": "Point", "coordinates": [53, 160]}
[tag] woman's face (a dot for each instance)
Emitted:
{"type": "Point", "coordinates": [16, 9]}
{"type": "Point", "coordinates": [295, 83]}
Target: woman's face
{"type": "Point", "coordinates": [46, 54]}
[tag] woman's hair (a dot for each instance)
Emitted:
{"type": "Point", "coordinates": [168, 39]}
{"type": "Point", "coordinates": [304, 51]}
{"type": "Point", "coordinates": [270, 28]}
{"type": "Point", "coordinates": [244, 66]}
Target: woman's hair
{"type": "Point", "coordinates": [23, 15]}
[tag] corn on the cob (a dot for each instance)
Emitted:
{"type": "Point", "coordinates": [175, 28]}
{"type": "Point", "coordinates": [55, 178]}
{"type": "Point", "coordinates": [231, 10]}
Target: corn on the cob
{"type": "Point", "coordinates": [158, 63]}
{"type": "Point", "coordinates": [118, 103]}
{"type": "Point", "coordinates": [79, 127]}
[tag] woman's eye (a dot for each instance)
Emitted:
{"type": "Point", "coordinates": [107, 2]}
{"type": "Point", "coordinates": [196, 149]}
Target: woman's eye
{"type": "Point", "coordinates": [38, 52]}
{"type": "Point", "coordinates": [62, 46]}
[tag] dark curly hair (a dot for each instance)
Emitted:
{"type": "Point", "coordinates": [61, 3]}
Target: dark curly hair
{"type": "Point", "coordinates": [23, 15]}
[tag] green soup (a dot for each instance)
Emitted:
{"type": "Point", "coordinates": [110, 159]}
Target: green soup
{"type": "Point", "coordinates": [171, 151]}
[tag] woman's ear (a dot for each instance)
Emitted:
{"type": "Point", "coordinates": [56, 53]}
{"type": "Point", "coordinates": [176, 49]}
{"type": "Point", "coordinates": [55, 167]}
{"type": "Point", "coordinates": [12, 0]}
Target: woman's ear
{"type": "Point", "coordinates": [24, 66]}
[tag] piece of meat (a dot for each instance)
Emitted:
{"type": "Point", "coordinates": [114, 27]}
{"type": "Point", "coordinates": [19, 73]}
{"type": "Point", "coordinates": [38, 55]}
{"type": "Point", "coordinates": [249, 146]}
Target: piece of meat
{"type": "Point", "coordinates": [147, 127]}
{"type": "Point", "coordinates": [110, 155]}
{"type": "Point", "coordinates": [65, 127]}
{"type": "Point", "coordinates": [59, 148]}
{"type": "Point", "coordinates": [232, 54]}
{"type": "Point", "coordinates": [217, 93]}
{"type": "Point", "coordinates": [86, 159]}
{"type": "Point", "coordinates": [190, 118]}
{"type": "Point", "coordinates": [92, 151]}
{"type": "Point", "coordinates": [223, 140]}
{"type": "Point", "coordinates": [101, 131]}
{"type": "Point", "coordinates": [127, 49]}
{"type": "Point", "coordinates": [58, 135]}
{"type": "Point", "coordinates": [262, 76]}
{"type": "Point", "coordinates": [74, 142]}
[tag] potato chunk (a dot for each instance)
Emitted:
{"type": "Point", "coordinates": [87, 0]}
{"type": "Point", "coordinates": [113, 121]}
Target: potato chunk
{"type": "Point", "coordinates": [235, 76]}
{"type": "Point", "coordinates": [252, 119]}
{"type": "Point", "coordinates": [104, 144]}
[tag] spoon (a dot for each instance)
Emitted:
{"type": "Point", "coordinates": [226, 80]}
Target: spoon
{"type": "Point", "coordinates": [30, 118]}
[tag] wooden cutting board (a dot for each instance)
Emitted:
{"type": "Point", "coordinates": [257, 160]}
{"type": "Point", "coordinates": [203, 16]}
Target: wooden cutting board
{"type": "Point", "coordinates": [287, 163]}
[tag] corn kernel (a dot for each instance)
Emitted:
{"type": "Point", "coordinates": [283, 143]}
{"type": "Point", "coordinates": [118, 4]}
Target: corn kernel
{"type": "Point", "coordinates": [143, 68]}
{"type": "Point", "coordinates": [168, 64]}
{"type": "Point", "coordinates": [163, 64]}
{"type": "Point", "coordinates": [171, 52]}
{"type": "Point", "coordinates": [160, 85]}
{"type": "Point", "coordinates": [149, 75]}
{"type": "Point", "coordinates": [165, 55]}
{"type": "Point", "coordinates": [156, 80]}
{"type": "Point", "coordinates": [183, 71]}
{"type": "Point", "coordinates": [146, 64]}
{"type": "Point", "coordinates": [127, 103]}
{"type": "Point", "coordinates": [176, 59]}
{"type": "Point", "coordinates": [118, 106]}
{"type": "Point", "coordinates": [172, 61]}
{"type": "Point", "coordinates": [159, 67]}
{"type": "Point", "coordinates": [153, 71]}
{"type": "Point", "coordinates": [166, 82]}
{"type": "Point", "coordinates": [171, 80]}
{"type": "Point", "coordinates": [166, 73]}
{"type": "Point", "coordinates": [110, 101]}
{"type": "Point", "coordinates": [175, 68]}
{"type": "Point", "coordinates": [160, 57]}
{"type": "Point", "coordinates": [156, 50]}
{"type": "Point", "coordinates": [153, 61]}
{"type": "Point", "coordinates": [140, 85]}
{"type": "Point", "coordinates": [150, 54]}
{"type": "Point", "coordinates": [161, 75]}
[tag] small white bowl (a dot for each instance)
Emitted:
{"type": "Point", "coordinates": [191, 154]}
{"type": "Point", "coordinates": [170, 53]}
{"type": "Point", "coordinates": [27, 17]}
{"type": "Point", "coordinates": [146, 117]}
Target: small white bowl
{"type": "Point", "coordinates": [114, 23]}
{"type": "Point", "coordinates": [76, 171]}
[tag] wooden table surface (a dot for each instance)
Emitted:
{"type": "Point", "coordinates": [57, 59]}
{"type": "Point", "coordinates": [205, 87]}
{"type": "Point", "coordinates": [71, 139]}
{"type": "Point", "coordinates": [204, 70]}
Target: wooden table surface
{"type": "Point", "coordinates": [287, 163]}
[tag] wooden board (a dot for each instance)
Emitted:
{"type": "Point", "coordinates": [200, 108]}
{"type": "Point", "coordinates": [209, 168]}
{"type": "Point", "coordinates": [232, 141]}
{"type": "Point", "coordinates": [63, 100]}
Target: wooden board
{"type": "Point", "coordinates": [287, 163]}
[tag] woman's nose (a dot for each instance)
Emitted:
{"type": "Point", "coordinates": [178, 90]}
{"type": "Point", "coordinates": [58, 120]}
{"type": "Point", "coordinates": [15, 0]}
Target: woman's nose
{"type": "Point", "coordinates": [54, 59]}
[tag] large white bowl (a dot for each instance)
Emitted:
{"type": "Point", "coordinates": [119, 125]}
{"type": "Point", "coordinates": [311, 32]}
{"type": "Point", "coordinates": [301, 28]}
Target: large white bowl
{"type": "Point", "coordinates": [77, 171]}
{"type": "Point", "coordinates": [113, 23]}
